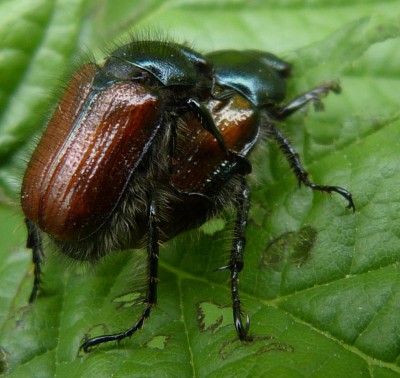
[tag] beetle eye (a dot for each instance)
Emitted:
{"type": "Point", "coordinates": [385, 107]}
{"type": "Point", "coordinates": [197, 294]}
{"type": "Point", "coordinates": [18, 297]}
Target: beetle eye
{"type": "Point", "coordinates": [204, 67]}
{"type": "Point", "coordinates": [285, 72]}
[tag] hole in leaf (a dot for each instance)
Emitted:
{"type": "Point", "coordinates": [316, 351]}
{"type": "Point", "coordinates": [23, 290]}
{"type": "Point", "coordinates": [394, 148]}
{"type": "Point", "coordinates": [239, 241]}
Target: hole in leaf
{"type": "Point", "coordinates": [212, 317]}
{"type": "Point", "coordinates": [158, 342]}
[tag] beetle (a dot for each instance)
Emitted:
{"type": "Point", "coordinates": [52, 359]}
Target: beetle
{"type": "Point", "coordinates": [259, 78]}
{"type": "Point", "coordinates": [153, 80]}
{"type": "Point", "coordinates": [152, 144]}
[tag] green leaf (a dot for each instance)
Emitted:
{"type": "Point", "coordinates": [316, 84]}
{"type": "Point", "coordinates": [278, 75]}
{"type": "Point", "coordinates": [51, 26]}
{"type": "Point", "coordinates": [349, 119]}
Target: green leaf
{"type": "Point", "coordinates": [320, 284]}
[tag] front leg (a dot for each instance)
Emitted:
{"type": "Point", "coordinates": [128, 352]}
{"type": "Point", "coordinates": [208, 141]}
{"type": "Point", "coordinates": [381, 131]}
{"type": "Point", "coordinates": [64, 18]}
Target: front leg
{"type": "Point", "coordinates": [207, 121]}
{"type": "Point", "coordinates": [151, 296]}
{"type": "Point", "coordinates": [313, 95]}
{"type": "Point", "coordinates": [298, 170]}
{"type": "Point", "coordinates": [236, 263]}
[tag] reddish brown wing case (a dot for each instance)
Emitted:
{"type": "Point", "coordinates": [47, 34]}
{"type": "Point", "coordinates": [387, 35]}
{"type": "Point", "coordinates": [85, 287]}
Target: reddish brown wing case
{"type": "Point", "coordinates": [199, 160]}
{"type": "Point", "coordinates": [85, 158]}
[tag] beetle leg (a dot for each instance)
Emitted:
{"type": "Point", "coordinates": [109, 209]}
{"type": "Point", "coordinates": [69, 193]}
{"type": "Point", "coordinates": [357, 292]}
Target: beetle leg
{"type": "Point", "coordinates": [151, 296]}
{"type": "Point", "coordinates": [207, 122]}
{"type": "Point", "coordinates": [300, 173]}
{"type": "Point", "coordinates": [314, 95]}
{"type": "Point", "coordinates": [34, 242]}
{"type": "Point", "coordinates": [236, 260]}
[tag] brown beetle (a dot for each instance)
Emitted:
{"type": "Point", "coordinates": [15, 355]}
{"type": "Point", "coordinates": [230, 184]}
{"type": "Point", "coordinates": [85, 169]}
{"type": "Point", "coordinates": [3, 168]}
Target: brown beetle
{"type": "Point", "coordinates": [134, 155]}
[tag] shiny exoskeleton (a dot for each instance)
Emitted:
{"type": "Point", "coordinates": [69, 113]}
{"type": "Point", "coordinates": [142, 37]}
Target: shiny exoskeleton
{"type": "Point", "coordinates": [112, 120]}
{"type": "Point", "coordinates": [260, 78]}
{"type": "Point", "coordinates": [151, 144]}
